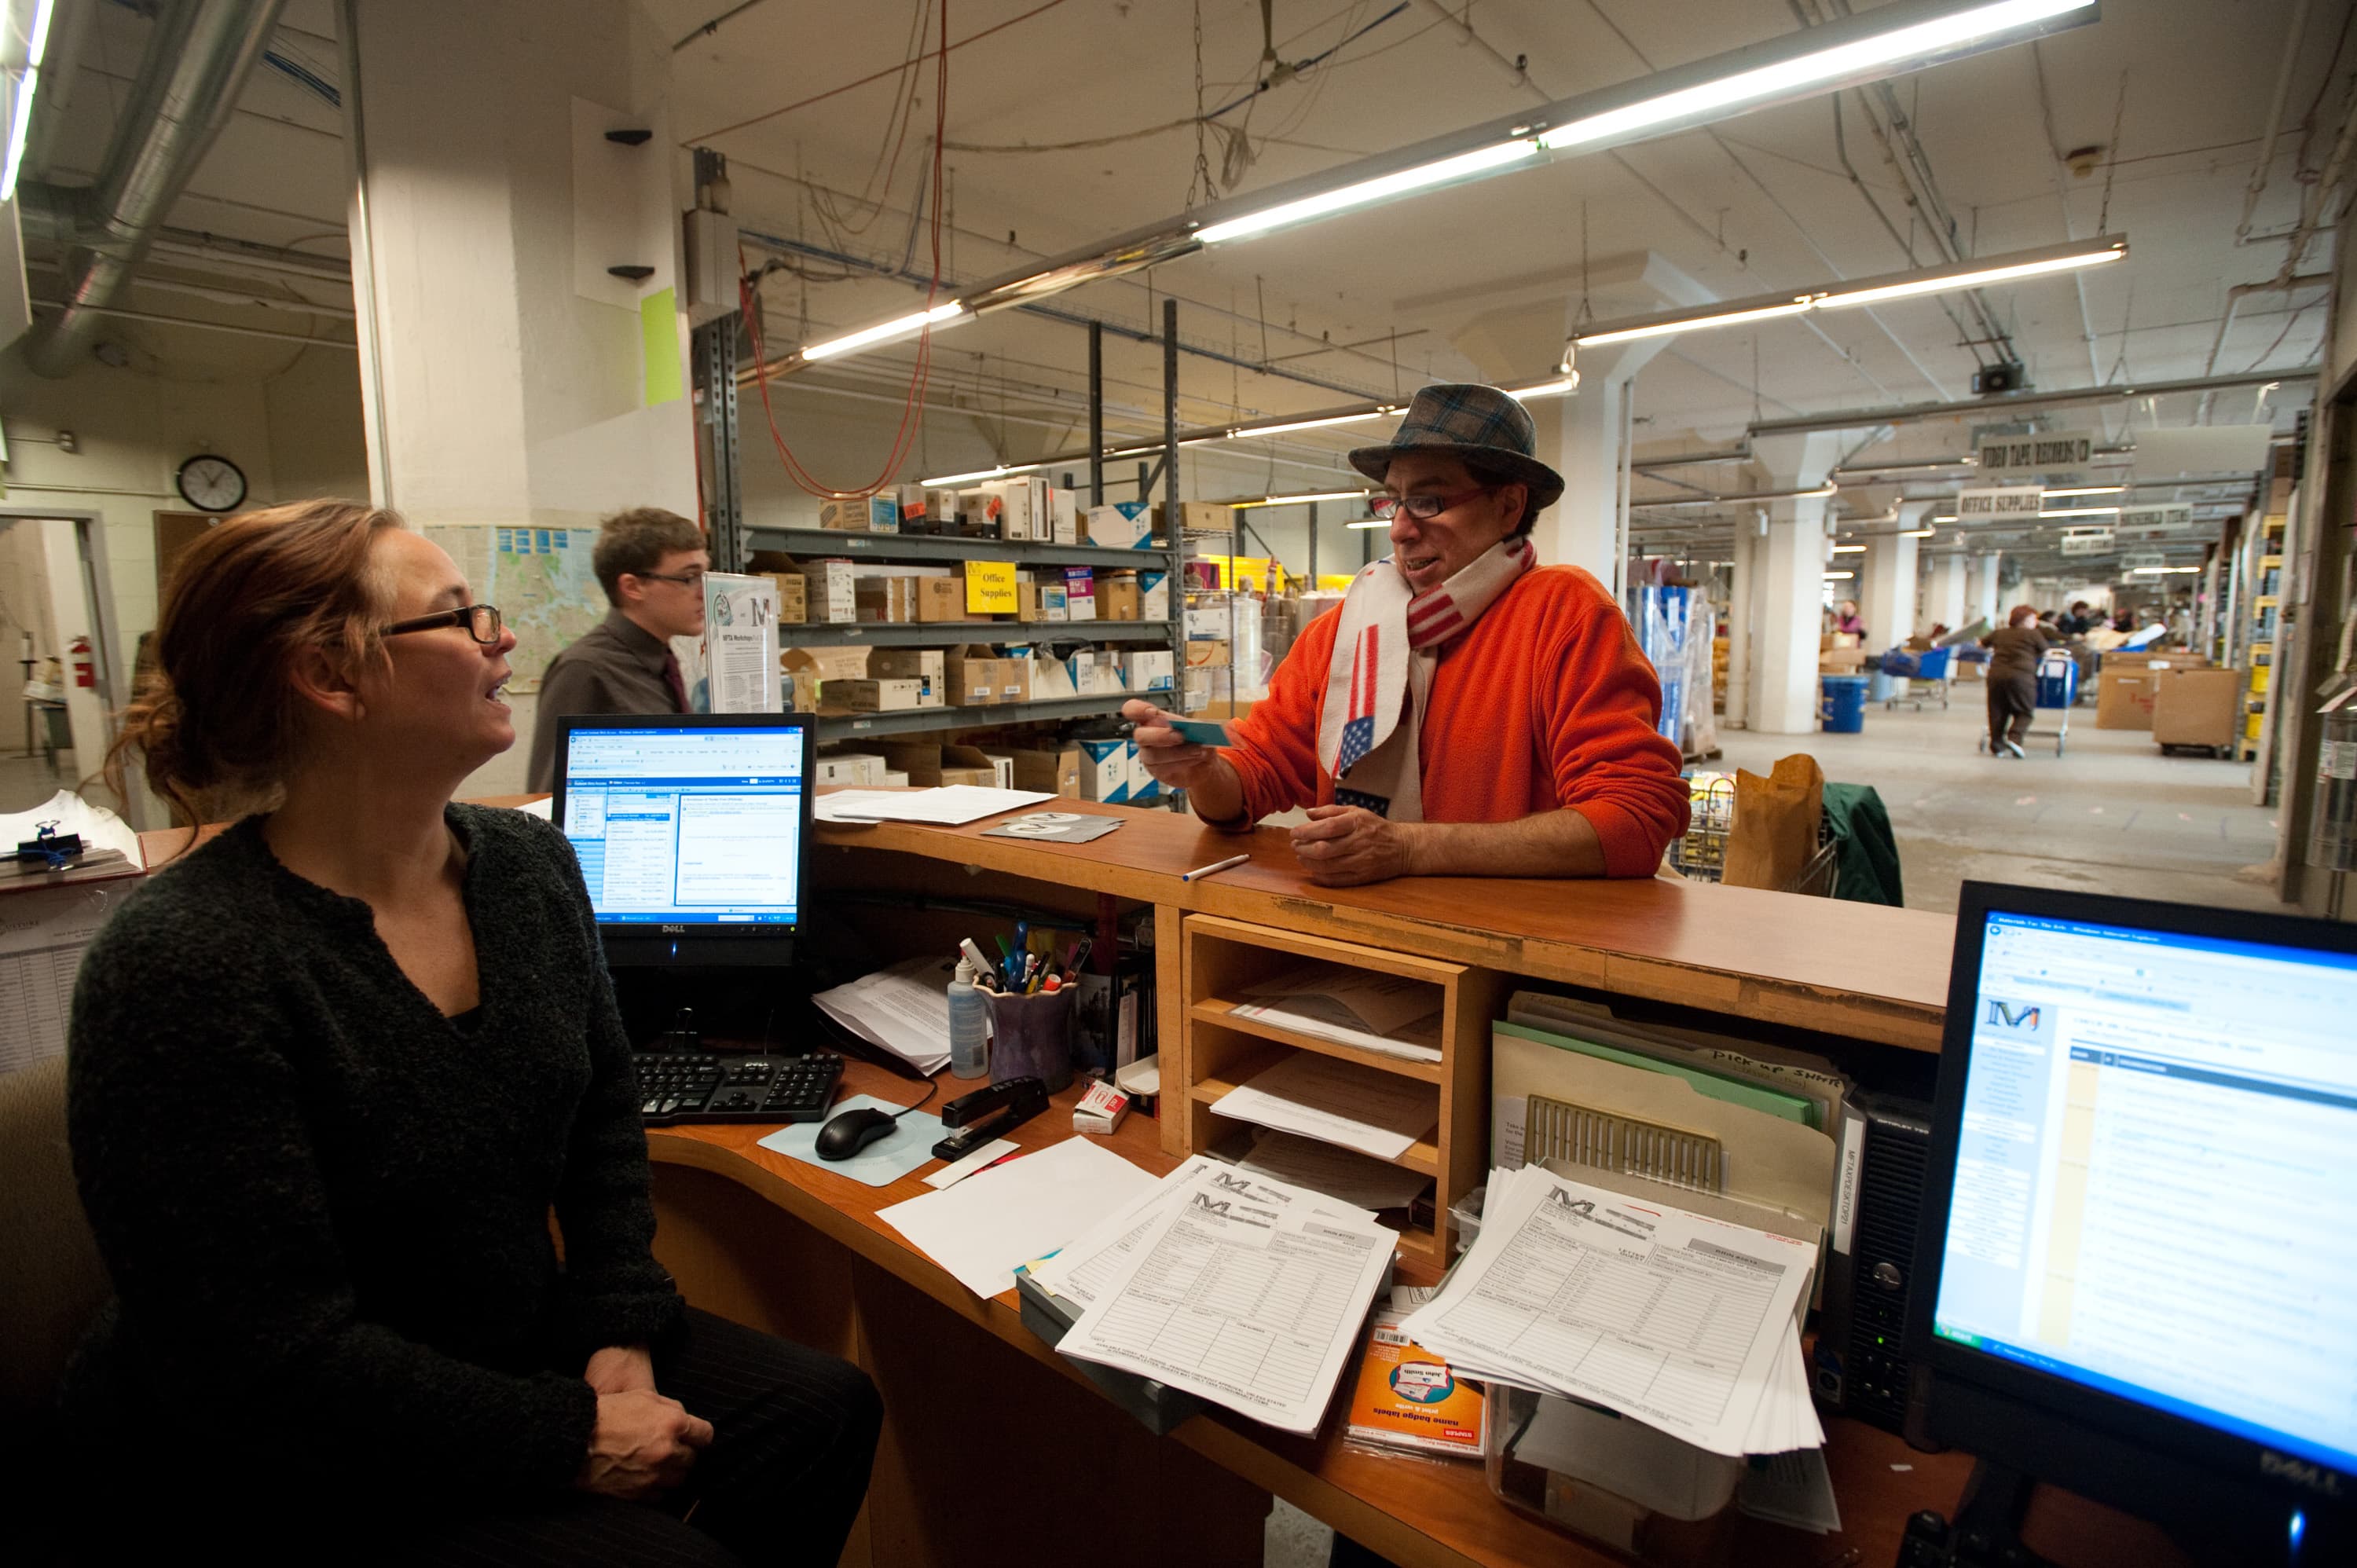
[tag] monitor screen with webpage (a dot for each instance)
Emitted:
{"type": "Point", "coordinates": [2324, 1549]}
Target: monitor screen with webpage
{"type": "Point", "coordinates": [2144, 1185]}
{"type": "Point", "coordinates": [691, 831]}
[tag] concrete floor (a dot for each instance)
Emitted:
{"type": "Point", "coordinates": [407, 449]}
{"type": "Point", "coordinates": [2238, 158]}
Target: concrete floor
{"type": "Point", "coordinates": [27, 781]}
{"type": "Point", "coordinates": [2110, 815]}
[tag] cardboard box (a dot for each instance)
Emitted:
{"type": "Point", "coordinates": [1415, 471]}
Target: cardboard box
{"type": "Point", "coordinates": [889, 599]}
{"type": "Point", "coordinates": [1207, 517]}
{"type": "Point", "coordinates": [1118, 598]}
{"type": "Point", "coordinates": [848, 767]}
{"type": "Point", "coordinates": [928, 667]}
{"type": "Point", "coordinates": [1841, 661]}
{"type": "Point", "coordinates": [1207, 620]}
{"type": "Point", "coordinates": [1056, 770]}
{"type": "Point", "coordinates": [1039, 602]}
{"type": "Point", "coordinates": [928, 511]}
{"type": "Point", "coordinates": [1154, 596]}
{"type": "Point", "coordinates": [1104, 770]}
{"type": "Point", "coordinates": [979, 510]}
{"type": "Point", "coordinates": [793, 597]}
{"type": "Point", "coordinates": [875, 696]}
{"type": "Point", "coordinates": [798, 694]}
{"type": "Point", "coordinates": [864, 514]}
{"type": "Point", "coordinates": [830, 593]}
{"type": "Point", "coordinates": [1148, 670]}
{"type": "Point", "coordinates": [824, 663]}
{"type": "Point", "coordinates": [893, 780]}
{"type": "Point", "coordinates": [1023, 508]}
{"type": "Point", "coordinates": [1125, 525]}
{"type": "Point", "coordinates": [1080, 594]}
{"type": "Point", "coordinates": [941, 598]}
{"type": "Point", "coordinates": [2124, 697]}
{"type": "Point", "coordinates": [2163, 658]}
{"type": "Point", "coordinates": [2197, 707]}
{"type": "Point", "coordinates": [1003, 761]}
{"type": "Point", "coordinates": [1205, 652]}
{"type": "Point", "coordinates": [929, 766]}
{"type": "Point", "coordinates": [979, 677]}
{"type": "Point", "coordinates": [1142, 785]}
{"type": "Point", "coordinates": [1063, 516]}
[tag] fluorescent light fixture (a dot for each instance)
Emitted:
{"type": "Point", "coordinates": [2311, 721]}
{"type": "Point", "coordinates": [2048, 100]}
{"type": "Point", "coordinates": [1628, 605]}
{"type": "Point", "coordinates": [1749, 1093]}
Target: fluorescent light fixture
{"type": "Point", "coordinates": [44, 13]}
{"type": "Point", "coordinates": [1464, 165]}
{"type": "Point", "coordinates": [906, 325]}
{"type": "Point", "coordinates": [1950, 518]}
{"type": "Point", "coordinates": [2159, 571]}
{"type": "Point", "coordinates": [1371, 522]}
{"type": "Point", "coordinates": [20, 125]}
{"type": "Point", "coordinates": [2089, 490]}
{"type": "Point", "coordinates": [1557, 388]}
{"type": "Point", "coordinates": [998, 473]}
{"type": "Point", "coordinates": [1857, 470]}
{"type": "Point", "coordinates": [1303, 500]}
{"type": "Point", "coordinates": [2081, 510]}
{"type": "Point", "coordinates": [1849, 549]}
{"type": "Point", "coordinates": [1840, 576]}
{"type": "Point", "coordinates": [1242, 432]}
{"type": "Point", "coordinates": [1920, 533]}
{"type": "Point", "coordinates": [1892, 47]}
{"type": "Point", "coordinates": [1866, 291]}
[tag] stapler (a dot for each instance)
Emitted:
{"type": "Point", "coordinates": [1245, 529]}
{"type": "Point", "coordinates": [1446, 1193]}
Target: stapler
{"type": "Point", "coordinates": [1014, 1101]}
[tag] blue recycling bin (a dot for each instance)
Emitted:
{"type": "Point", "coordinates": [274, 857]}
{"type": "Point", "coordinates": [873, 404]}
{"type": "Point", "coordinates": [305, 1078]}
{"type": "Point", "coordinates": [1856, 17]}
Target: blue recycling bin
{"type": "Point", "coordinates": [1841, 704]}
{"type": "Point", "coordinates": [2057, 681]}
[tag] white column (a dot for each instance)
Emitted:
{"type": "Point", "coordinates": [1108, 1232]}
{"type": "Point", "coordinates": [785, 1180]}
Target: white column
{"type": "Point", "coordinates": [1739, 619]}
{"type": "Point", "coordinates": [510, 377]}
{"type": "Point", "coordinates": [1586, 528]}
{"type": "Point", "coordinates": [1982, 592]}
{"type": "Point", "coordinates": [1945, 598]}
{"type": "Point", "coordinates": [1885, 601]}
{"type": "Point", "coordinates": [1790, 574]}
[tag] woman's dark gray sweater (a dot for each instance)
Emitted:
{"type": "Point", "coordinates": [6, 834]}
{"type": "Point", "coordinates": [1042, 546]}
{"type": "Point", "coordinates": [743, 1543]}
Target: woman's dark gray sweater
{"type": "Point", "coordinates": [325, 1208]}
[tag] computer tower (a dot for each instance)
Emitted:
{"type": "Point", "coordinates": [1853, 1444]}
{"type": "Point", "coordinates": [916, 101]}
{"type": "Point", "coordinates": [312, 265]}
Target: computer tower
{"type": "Point", "coordinates": [1861, 1368]}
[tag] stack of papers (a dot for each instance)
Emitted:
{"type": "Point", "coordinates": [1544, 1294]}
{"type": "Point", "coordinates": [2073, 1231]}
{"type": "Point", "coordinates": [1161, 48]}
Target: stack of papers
{"type": "Point", "coordinates": [904, 1009]}
{"type": "Point", "coordinates": [1245, 1291]}
{"type": "Point", "coordinates": [952, 805]}
{"type": "Point", "coordinates": [1358, 1007]}
{"type": "Point", "coordinates": [1339, 1102]}
{"type": "Point", "coordinates": [1684, 1323]}
{"type": "Point", "coordinates": [984, 1228]}
{"type": "Point", "coordinates": [1355, 1179]}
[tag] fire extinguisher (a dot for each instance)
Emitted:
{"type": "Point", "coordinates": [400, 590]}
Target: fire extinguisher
{"type": "Point", "coordinates": [85, 673]}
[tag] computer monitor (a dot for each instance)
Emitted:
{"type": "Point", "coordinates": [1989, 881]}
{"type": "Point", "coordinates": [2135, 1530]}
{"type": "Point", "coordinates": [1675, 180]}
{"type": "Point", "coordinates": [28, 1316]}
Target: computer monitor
{"type": "Point", "coordinates": [691, 831]}
{"type": "Point", "coordinates": [2137, 1264]}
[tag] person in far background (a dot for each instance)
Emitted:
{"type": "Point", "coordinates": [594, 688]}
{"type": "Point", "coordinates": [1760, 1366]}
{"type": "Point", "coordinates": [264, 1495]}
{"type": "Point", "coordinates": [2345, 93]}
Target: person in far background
{"type": "Point", "coordinates": [652, 565]}
{"type": "Point", "coordinates": [2076, 621]}
{"type": "Point", "coordinates": [2014, 652]}
{"type": "Point", "coordinates": [2125, 621]}
{"type": "Point", "coordinates": [1845, 621]}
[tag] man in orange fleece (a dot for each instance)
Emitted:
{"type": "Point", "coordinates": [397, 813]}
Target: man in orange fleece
{"type": "Point", "coordinates": [1467, 712]}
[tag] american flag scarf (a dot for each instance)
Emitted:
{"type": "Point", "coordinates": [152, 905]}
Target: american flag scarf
{"type": "Point", "coordinates": [1384, 653]}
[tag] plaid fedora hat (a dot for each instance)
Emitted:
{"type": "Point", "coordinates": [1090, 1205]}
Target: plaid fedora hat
{"type": "Point", "coordinates": [1486, 427]}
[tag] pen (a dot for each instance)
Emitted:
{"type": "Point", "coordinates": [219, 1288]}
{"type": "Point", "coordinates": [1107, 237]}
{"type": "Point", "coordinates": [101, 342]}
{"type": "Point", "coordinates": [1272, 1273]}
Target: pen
{"type": "Point", "coordinates": [1215, 865]}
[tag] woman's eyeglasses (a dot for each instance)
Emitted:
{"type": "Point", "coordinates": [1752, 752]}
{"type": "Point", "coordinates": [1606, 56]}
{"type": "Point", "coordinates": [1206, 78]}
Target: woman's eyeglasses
{"type": "Point", "coordinates": [481, 621]}
{"type": "Point", "coordinates": [1424, 507]}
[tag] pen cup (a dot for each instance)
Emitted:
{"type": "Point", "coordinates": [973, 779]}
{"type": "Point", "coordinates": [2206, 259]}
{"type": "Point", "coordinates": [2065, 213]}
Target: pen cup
{"type": "Point", "coordinates": [1032, 1037]}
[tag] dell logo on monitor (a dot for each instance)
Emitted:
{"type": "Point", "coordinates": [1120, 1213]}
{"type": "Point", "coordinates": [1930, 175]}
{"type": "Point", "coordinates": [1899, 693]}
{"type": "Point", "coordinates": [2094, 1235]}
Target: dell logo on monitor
{"type": "Point", "coordinates": [674, 931]}
{"type": "Point", "coordinates": [2314, 1477]}
{"type": "Point", "coordinates": [2013, 1016]}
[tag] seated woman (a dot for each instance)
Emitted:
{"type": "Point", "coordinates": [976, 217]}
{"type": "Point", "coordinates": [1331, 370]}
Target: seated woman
{"type": "Point", "coordinates": [330, 1075]}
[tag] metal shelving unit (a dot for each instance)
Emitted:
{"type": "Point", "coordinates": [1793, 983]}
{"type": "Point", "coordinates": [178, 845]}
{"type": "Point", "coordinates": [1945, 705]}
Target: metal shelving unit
{"type": "Point", "coordinates": [853, 726]}
{"type": "Point", "coordinates": [924, 633]}
{"type": "Point", "coordinates": [950, 547]}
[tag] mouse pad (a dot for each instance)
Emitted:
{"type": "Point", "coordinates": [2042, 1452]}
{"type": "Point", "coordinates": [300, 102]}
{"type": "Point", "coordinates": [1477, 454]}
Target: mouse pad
{"type": "Point", "coordinates": [881, 1162]}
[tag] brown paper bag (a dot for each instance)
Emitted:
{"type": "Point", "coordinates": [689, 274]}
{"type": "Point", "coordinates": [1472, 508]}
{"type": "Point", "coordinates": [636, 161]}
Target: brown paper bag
{"type": "Point", "coordinates": [1775, 829]}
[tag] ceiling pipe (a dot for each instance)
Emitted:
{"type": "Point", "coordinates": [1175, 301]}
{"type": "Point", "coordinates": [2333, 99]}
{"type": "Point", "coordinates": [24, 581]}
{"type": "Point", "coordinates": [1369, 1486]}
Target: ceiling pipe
{"type": "Point", "coordinates": [2296, 31]}
{"type": "Point", "coordinates": [198, 59]}
{"type": "Point", "coordinates": [1999, 407]}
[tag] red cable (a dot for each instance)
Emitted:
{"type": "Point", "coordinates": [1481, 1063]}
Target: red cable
{"type": "Point", "coordinates": [911, 416]}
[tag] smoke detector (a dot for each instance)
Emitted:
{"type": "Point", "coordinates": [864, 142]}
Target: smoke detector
{"type": "Point", "coordinates": [2083, 162]}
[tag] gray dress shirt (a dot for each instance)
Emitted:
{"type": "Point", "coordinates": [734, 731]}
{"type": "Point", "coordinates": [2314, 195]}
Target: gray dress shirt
{"type": "Point", "coordinates": [618, 667]}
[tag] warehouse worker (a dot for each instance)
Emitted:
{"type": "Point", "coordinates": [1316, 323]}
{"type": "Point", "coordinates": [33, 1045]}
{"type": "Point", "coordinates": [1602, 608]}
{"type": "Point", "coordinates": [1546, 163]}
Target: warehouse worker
{"type": "Point", "coordinates": [1465, 712]}
{"type": "Point", "coordinates": [2014, 652]}
{"type": "Point", "coordinates": [652, 565]}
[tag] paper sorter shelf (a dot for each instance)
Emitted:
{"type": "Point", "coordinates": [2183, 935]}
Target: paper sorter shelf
{"type": "Point", "coordinates": [1220, 1011]}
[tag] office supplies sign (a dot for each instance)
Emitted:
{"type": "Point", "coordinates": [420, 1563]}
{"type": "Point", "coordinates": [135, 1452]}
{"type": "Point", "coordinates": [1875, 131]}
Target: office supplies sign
{"type": "Point", "coordinates": [1999, 502]}
{"type": "Point", "coordinates": [2020, 457]}
{"type": "Point", "coordinates": [990, 588]}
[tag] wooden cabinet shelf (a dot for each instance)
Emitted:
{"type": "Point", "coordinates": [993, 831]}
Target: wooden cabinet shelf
{"type": "Point", "coordinates": [1221, 1013]}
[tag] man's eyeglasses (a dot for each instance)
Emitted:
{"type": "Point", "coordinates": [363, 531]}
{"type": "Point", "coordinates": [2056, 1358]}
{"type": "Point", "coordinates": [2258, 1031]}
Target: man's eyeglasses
{"type": "Point", "coordinates": [684, 579]}
{"type": "Point", "coordinates": [1424, 507]}
{"type": "Point", "coordinates": [481, 621]}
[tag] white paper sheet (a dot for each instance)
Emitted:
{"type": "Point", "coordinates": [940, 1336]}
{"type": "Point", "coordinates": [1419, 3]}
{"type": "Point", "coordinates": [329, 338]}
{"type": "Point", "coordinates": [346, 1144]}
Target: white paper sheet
{"type": "Point", "coordinates": [973, 1164]}
{"type": "Point", "coordinates": [1337, 1102]}
{"type": "Point", "coordinates": [904, 1009]}
{"type": "Point", "coordinates": [1354, 1178]}
{"type": "Point", "coordinates": [99, 828]}
{"type": "Point", "coordinates": [951, 805]}
{"type": "Point", "coordinates": [1792, 1488]}
{"type": "Point", "coordinates": [1676, 1320]}
{"type": "Point", "coordinates": [43, 933]}
{"type": "Point", "coordinates": [1382, 1013]}
{"type": "Point", "coordinates": [545, 808]}
{"type": "Point", "coordinates": [1251, 1305]}
{"type": "Point", "coordinates": [980, 1228]}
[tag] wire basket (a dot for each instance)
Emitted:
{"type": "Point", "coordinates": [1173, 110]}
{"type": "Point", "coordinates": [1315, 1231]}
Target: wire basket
{"type": "Point", "coordinates": [1700, 854]}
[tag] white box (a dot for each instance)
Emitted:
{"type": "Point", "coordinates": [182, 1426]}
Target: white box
{"type": "Point", "coordinates": [894, 779]}
{"type": "Point", "coordinates": [1004, 762]}
{"type": "Point", "coordinates": [850, 767]}
{"type": "Point", "coordinates": [1125, 525]}
{"type": "Point", "coordinates": [1104, 770]}
{"type": "Point", "coordinates": [830, 598]}
{"type": "Point", "coordinates": [1148, 670]}
{"type": "Point", "coordinates": [1210, 621]}
{"type": "Point", "coordinates": [1142, 784]}
{"type": "Point", "coordinates": [1064, 516]}
{"type": "Point", "coordinates": [1025, 514]}
{"type": "Point", "coordinates": [1154, 596]}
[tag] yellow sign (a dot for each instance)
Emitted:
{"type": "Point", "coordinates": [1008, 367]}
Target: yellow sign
{"type": "Point", "coordinates": [990, 588]}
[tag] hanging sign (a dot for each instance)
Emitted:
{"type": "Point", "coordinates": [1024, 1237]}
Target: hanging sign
{"type": "Point", "coordinates": [2086, 542]}
{"type": "Point", "coordinates": [2054, 451]}
{"type": "Point", "coordinates": [2174, 514]}
{"type": "Point", "coordinates": [1999, 502]}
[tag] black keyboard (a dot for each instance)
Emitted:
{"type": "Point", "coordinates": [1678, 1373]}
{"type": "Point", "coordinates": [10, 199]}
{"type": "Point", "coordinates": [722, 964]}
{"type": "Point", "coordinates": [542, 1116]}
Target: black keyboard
{"type": "Point", "coordinates": [696, 1086]}
{"type": "Point", "coordinates": [1932, 1543]}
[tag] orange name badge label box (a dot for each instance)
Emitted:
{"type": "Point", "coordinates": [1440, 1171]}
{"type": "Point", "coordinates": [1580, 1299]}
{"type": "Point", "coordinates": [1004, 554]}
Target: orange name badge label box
{"type": "Point", "coordinates": [1408, 1396]}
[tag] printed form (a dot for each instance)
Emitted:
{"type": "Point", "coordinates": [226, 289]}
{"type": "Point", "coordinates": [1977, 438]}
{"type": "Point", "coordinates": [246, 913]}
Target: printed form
{"type": "Point", "coordinates": [1251, 1305]}
{"type": "Point", "coordinates": [1672, 1318]}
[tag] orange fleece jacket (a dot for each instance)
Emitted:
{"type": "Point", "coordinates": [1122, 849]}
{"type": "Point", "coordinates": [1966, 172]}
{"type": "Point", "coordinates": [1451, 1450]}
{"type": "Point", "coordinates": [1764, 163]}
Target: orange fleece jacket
{"type": "Point", "coordinates": [1546, 702]}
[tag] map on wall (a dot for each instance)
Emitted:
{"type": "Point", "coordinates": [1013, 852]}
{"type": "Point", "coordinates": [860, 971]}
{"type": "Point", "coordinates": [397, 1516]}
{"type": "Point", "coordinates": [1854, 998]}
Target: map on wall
{"type": "Point", "coordinates": [542, 580]}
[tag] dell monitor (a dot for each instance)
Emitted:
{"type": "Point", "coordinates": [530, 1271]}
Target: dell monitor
{"type": "Point", "coordinates": [692, 831]}
{"type": "Point", "coordinates": [2136, 1266]}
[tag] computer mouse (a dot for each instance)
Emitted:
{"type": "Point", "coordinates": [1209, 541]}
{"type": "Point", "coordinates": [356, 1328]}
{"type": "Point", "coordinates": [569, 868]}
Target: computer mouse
{"type": "Point", "coordinates": [853, 1131]}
